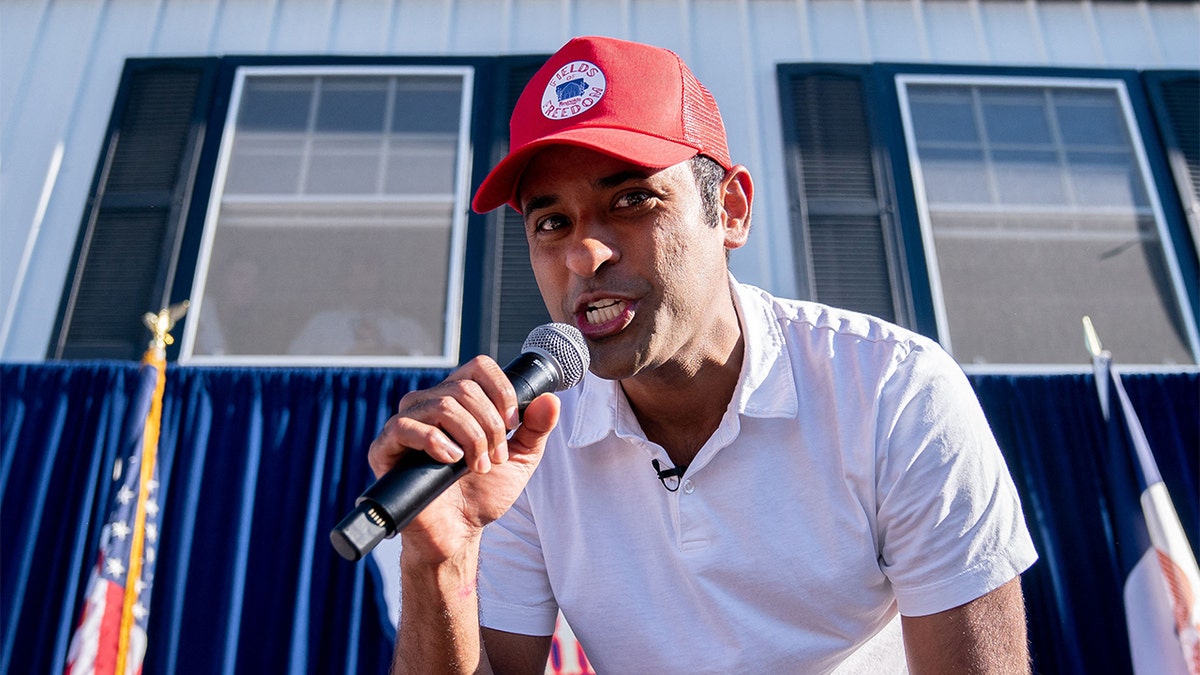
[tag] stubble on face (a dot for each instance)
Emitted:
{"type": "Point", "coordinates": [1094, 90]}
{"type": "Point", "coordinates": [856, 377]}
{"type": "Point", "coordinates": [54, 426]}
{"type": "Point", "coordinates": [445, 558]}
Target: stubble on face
{"type": "Point", "coordinates": [660, 262]}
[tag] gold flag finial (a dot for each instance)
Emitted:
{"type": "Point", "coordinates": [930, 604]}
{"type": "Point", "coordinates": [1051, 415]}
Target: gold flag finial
{"type": "Point", "coordinates": [160, 324]}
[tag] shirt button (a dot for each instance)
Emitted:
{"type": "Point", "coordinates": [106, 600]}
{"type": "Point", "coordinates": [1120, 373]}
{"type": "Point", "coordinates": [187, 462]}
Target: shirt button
{"type": "Point", "coordinates": [689, 487]}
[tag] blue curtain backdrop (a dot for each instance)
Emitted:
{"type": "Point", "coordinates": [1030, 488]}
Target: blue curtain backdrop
{"type": "Point", "coordinates": [259, 464]}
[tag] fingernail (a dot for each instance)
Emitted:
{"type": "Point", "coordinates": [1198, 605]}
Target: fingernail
{"type": "Point", "coordinates": [513, 417]}
{"type": "Point", "coordinates": [484, 464]}
{"type": "Point", "coordinates": [500, 454]}
{"type": "Point", "coordinates": [455, 452]}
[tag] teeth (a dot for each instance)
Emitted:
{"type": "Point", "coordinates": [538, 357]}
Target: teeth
{"type": "Point", "coordinates": [605, 310]}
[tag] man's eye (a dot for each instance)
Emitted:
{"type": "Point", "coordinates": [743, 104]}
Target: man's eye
{"type": "Point", "coordinates": [550, 224]}
{"type": "Point", "coordinates": [633, 199]}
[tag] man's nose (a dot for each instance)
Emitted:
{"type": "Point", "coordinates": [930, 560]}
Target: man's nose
{"type": "Point", "coordinates": [591, 249]}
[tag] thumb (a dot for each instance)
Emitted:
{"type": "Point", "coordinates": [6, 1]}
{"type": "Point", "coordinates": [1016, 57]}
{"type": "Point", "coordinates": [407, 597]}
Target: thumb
{"type": "Point", "coordinates": [539, 419]}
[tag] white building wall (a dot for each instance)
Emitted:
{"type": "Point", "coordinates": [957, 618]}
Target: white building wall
{"type": "Point", "coordinates": [61, 60]}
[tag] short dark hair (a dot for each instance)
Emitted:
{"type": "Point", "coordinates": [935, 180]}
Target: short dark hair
{"type": "Point", "coordinates": [708, 174]}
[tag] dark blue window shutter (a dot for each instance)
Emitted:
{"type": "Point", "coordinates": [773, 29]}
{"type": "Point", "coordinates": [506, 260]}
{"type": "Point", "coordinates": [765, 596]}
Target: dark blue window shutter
{"type": "Point", "coordinates": [516, 303]}
{"type": "Point", "coordinates": [133, 222]}
{"type": "Point", "coordinates": [848, 250]}
{"type": "Point", "coordinates": [1175, 99]}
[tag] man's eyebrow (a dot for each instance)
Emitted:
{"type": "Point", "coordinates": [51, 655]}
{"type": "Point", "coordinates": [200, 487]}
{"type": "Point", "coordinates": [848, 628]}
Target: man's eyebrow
{"type": "Point", "coordinates": [539, 203]}
{"type": "Point", "coordinates": [604, 183]}
{"type": "Point", "coordinates": [623, 177]}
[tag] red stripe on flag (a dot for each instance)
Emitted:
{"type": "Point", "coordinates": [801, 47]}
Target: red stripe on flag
{"type": "Point", "coordinates": [110, 628]}
{"type": "Point", "coordinates": [1182, 599]}
{"type": "Point", "coordinates": [94, 649]}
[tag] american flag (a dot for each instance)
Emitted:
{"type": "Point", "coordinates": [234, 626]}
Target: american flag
{"type": "Point", "coordinates": [1162, 582]}
{"type": "Point", "coordinates": [110, 638]}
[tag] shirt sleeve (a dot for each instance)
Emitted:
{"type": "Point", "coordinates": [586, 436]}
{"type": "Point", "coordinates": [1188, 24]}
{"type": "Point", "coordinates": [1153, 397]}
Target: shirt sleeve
{"type": "Point", "coordinates": [950, 521]}
{"type": "Point", "coordinates": [514, 589]}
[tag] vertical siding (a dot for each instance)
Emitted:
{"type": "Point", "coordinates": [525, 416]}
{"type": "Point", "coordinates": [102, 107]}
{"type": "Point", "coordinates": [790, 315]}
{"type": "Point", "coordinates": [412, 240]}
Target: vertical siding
{"type": "Point", "coordinates": [1012, 33]}
{"type": "Point", "coordinates": [239, 27]}
{"type": "Point", "coordinates": [1175, 29]}
{"type": "Point", "coordinates": [60, 61]}
{"type": "Point", "coordinates": [64, 86]}
{"type": "Point", "coordinates": [897, 32]}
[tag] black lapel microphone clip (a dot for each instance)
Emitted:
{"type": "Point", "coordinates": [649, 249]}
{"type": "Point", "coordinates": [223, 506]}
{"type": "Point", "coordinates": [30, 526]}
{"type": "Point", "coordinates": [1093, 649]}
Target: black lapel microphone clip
{"type": "Point", "coordinates": [669, 477]}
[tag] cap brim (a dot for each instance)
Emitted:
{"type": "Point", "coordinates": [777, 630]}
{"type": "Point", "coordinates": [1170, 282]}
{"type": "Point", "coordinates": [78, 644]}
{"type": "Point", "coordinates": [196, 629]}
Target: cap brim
{"type": "Point", "coordinates": [635, 147]}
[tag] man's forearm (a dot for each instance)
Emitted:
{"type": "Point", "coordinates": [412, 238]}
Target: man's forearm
{"type": "Point", "coordinates": [439, 618]}
{"type": "Point", "coordinates": [986, 635]}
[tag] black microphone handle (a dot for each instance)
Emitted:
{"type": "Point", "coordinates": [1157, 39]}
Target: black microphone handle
{"type": "Point", "coordinates": [391, 503]}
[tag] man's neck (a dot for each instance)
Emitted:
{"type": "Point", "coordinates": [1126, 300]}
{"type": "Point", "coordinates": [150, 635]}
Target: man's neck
{"type": "Point", "coordinates": [679, 406]}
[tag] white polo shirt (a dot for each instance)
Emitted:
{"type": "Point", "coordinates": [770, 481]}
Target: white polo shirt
{"type": "Point", "coordinates": [852, 475]}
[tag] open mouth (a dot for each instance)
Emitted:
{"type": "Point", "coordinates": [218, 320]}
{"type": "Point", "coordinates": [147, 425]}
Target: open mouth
{"type": "Point", "coordinates": [603, 311]}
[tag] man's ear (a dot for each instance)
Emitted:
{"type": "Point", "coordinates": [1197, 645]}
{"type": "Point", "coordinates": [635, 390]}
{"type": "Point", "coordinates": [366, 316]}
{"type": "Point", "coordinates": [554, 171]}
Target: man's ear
{"type": "Point", "coordinates": [737, 195]}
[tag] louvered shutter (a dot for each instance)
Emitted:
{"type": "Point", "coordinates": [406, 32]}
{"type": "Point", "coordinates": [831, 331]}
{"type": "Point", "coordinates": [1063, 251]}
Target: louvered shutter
{"type": "Point", "coordinates": [517, 303]}
{"type": "Point", "coordinates": [132, 226]}
{"type": "Point", "coordinates": [1175, 97]}
{"type": "Point", "coordinates": [839, 206]}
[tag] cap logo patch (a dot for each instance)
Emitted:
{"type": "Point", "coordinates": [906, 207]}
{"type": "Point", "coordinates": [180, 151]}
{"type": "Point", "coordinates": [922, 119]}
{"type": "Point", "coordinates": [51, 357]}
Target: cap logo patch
{"type": "Point", "coordinates": [574, 88]}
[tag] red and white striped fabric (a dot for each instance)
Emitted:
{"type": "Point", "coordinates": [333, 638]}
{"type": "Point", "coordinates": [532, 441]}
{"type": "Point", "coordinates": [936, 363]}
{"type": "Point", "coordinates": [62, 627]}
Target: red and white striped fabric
{"type": "Point", "coordinates": [1162, 585]}
{"type": "Point", "coordinates": [111, 635]}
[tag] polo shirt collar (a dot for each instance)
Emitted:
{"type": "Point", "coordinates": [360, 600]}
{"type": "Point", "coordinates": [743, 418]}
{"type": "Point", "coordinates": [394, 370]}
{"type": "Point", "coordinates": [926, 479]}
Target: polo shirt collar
{"type": "Point", "coordinates": [766, 386]}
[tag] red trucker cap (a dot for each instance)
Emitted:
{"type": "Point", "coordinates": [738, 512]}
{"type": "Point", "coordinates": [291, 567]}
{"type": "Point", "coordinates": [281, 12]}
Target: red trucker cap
{"type": "Point", "coordinates": [626, 99]}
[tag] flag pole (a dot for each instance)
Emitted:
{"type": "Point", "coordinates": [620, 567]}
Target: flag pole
{"type": "Point", "coordinates": [1101, 362]}
{"type": "Point", "coordinates": [155, 356]}
{"type": "Point", "coordinates": [110, 638]}
{"type": "Point", "coordinates": [1179, 576]}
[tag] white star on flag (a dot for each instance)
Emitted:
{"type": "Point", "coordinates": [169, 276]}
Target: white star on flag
{"type": "Point", "coordinates": [114, 567]}
{"type": "Point", "coordinates": [120, 530]}
{"type": "Point", "coordinates": [125, 495]}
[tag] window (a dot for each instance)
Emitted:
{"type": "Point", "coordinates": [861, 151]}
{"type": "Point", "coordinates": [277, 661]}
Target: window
{"type": "Point", "coordinates": [273, 192]}
{"type": "Point", "coordinates": [336, 225]}
{"type": "Point", "coordinates": [992, 208]}
{"type": "Point", "coordinates": [1036, 208]}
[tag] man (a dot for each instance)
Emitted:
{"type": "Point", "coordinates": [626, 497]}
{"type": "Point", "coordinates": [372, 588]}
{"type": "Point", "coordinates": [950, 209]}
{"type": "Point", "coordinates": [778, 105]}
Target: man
{"type": "Point", "coordinates": [833, 469]}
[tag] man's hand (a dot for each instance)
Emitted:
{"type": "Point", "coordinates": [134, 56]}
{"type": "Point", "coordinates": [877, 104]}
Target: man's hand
{"type": "Point", "coordinates": [467, 416]}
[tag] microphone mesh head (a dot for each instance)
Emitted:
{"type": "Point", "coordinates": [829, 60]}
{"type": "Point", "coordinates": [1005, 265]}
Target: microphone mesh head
{"type": "Point", "coordinates": [564, 343]}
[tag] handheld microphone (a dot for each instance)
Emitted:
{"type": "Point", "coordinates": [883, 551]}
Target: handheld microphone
{"type": "Point", "coordinates": [553, 358]}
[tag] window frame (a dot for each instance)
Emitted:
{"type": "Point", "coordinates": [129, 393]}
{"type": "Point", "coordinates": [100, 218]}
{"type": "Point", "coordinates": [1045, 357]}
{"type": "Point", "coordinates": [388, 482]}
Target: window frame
{"type": "Point", "coordinates": [1144, 115]}
{"type": "Point", "coordinates": [459, 225]}
{"type": "Point", "coordinates": [1134, 127]}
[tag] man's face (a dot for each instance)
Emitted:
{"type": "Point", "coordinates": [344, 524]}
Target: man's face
{"type": "Point", "coordinates": [624, 253]}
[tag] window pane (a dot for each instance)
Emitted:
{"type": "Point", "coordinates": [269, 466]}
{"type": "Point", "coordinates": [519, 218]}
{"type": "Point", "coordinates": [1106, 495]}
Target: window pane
{"type": "Point", "coordinates": [276, 104]}
{"type": "Point", "coordinates": [335, 236]}
{"type": "Point", "coordinates": [420, 166]}
{"type": "Point", "coordinates": [1016, 117]}
{"type": "Point", "coordinates": [352, 105]}
{"type": "Point", "coordinates": [1107, 178]}
{"type": "Point", "coordinates": [956, 176]}
{"type": "Point", "coordinates": [325, 288]}
{"type": "Point", "coordinates": [344, 166]}
{"type": "Point", "coordinates": [943, 115]}
{"type": "Point", "coordinates": [431, 105]}
{"type": "Point", "coordinates": [1090, 119]}
{"type": "Point", "coordinates": [265, 165]}
{"type": "Point", "coordinates": [1029, 177]}
{"type": "Point", "coordinates": [1043, 219]}
{"type": "Point", "coordinates": [1020, 298]}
